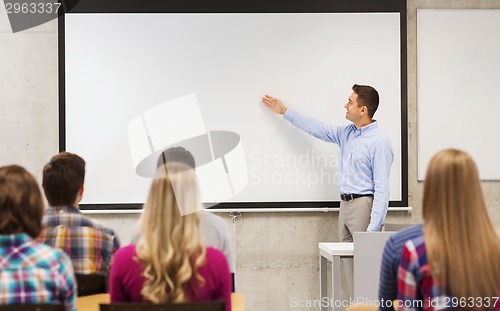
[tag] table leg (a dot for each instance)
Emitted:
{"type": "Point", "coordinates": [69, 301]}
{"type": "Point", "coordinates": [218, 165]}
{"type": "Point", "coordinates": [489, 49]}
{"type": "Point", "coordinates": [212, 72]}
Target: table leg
{"type": "Point", "coordinates": [322, 281]}
{"type": "Point", "coordinates": [336, 284]}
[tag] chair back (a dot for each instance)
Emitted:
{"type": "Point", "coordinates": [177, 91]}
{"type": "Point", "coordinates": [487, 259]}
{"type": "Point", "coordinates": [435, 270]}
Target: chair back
{"type": "Point", "coordinates": [32, 307]}
{"type": "Point", "coordinates": [368, 249]}
{"type": "Point", "coordinates": [184, 306]}
{"type": "Point", "coordinates": [91, 284]}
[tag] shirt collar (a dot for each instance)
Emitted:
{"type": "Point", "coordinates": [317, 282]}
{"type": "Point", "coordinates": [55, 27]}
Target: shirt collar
{"type": "Point", "coordinates": [66, 209]}
{"type": "Point", "coordinates": [9, 240]}
{"type": "Point", "coordinates": [368, 127]}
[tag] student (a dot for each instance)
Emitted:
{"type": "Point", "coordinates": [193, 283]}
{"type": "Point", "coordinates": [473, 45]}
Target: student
{"type": "Point", "coordinates": [214, 230]}
{"type": "Point", "coordinates": [388, 284]}
{"type": "Point", "coordinates": [30, 272]}
{"type": "Point", "coordinates": [89, 244]}
{"type": "Point", "coordinates": [454, 263]}
{"type": "Point", "coordinates": [169, 262]}
{"type": "Point", "coordinates": [215, 233]}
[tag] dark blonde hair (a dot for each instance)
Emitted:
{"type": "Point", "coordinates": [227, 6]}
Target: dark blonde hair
{"type": "Point", "coordinates": [463, 246]}
{"type": "Point", "coordinates": [21, 203]}
{"type": "Point", "coordinates": [170, 246]}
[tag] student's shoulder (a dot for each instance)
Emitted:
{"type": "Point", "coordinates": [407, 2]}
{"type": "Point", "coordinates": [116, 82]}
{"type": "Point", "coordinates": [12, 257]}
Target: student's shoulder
{"type": "Point", "coordinates": [416, 246]}
{"type": "Point", "coordinates": [407, 234]}
{"type": "Point", "coordinates": [215, 262]}
{"type": "Point", "coordinates": [46, 255]}
{"type": "Point", "coordinates": [126, 253]}
{"type": "Point", "coordinates": [92, 223]}
{"type": "Point", "coordinates": [127, 250]}
{"type": "Point", "coordinates": [399, 239]}
{"type": "Point", "coordinates": [413, 230]}
{"type": "Point", "coordinates": [211, 218]}
{"type": "Point", "coordinates": [215, 255]}
{"type": "Point", "coordinates": [396, 241]}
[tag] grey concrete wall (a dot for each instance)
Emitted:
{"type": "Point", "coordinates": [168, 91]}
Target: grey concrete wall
{"type": "Point", "coordinates": [276, 253]}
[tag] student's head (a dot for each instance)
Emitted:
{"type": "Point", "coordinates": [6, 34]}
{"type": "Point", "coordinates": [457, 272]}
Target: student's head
{"type": "Point", "coordinates": [462, 243]}
{"type": "Point", "coordinates": [166, 234]}
{"type": "Point", "coordinates": [173, 191]}
{"type": "Point", "coordinates": [452, 190]}
{"type": "Point", "coordinates": [21, 203]}
{"type": "Point", "coordinates": [367, 96]}
{"type": "Point", "coordinates": [63, 179]}
{"type": "Point", "coordinates": [176, 154]}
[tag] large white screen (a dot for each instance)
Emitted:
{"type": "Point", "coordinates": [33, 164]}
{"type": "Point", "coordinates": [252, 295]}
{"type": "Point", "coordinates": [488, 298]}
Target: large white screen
{"type": "Point", "coordinates": [119, 65]}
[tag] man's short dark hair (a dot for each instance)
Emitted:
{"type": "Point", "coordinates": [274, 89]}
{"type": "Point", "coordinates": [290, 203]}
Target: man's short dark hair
{"type": "Point", "coordinates": [367, 96]}
{"type": "Point", "coordinates": [21, 203]}
{"type": "Point", "coordinates": [63, 178]}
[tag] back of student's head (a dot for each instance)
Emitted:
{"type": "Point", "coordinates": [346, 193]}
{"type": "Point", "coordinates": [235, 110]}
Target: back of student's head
{"type": "Point", "coordinates": [452, 189]}
{"type": "Point", "coordinates": [170, 246]}
{"type": "Point", "coordinates": [63, 178]}
{"type": "Point", "coordinates": [462, 243]}
{"type": "Point", "coordinates": [21, 203]}
{"type": "Point", "coordinates": [176, 154]}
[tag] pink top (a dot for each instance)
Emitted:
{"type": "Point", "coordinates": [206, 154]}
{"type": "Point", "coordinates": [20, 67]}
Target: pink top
{"type": "Point", "coordinates": [126, 280]}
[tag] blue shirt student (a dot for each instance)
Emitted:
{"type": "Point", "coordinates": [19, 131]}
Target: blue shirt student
{"type": "Point", "coordinates": [388, 285]}
{"type": "Point", "coordinates": [365, 160]}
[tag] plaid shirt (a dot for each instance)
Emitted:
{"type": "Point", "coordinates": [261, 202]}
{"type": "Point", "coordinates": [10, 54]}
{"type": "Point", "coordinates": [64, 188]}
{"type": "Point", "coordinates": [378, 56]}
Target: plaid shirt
{"type": "Point", "coordinates": [388, 285]}
{"type": "Point", "coordinates": [89, 244]}
{"type": "Point", "coordinates": [31, 272]}
{"type": "Point", "coordinates": [418, 290]}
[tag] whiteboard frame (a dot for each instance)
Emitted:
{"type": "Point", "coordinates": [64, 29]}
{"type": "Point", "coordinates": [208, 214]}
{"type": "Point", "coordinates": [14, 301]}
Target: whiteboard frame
{"type": "Point", "coordinates": [259, 6]}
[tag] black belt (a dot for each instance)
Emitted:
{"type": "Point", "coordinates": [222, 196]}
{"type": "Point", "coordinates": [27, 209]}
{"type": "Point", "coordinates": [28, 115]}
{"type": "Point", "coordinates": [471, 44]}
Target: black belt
{"type": "Point", "coordinates": [349, 197]}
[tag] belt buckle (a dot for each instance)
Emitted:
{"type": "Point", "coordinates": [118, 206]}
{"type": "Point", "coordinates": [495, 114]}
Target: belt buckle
{"type": "Point", "coordinates": [347, 197]}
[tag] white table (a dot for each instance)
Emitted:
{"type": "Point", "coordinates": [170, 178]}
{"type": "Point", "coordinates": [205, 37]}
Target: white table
{"type": "Point", "coordinates": [332, 252]}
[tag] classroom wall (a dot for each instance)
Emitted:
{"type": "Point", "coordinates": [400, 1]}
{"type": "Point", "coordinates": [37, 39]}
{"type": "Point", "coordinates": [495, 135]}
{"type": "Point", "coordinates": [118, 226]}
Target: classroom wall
{"type": "Point", "coordinates": [276, 253]}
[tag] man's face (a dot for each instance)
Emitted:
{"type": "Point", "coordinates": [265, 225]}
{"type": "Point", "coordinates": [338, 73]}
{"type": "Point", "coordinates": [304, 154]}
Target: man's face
{"type": "Point", "coordinates": [354, 111]}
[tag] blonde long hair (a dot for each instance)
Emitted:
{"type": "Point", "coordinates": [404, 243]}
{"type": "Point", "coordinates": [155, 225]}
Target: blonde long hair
{"type": "Point", "coordinates": [170, 246]}
{"type": "Point", "coordinates": [463, 246]}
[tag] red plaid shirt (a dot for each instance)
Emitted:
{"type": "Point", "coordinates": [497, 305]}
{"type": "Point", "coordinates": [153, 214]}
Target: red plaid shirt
{"type": "Point", "coordinates": [418, 290]}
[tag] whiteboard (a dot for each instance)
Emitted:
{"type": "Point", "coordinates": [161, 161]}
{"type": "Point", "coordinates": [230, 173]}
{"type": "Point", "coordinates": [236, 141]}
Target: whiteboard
{"type": "Point", "coordinates": [458, 74]}
{"type": "Point", "coordinates": [116, 68]}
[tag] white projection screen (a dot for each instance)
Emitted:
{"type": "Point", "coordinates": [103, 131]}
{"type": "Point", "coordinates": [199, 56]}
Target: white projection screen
{"type": "Point", "coordinates": [144, 69]}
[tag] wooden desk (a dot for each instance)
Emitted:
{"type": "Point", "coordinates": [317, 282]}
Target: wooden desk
{"type": "Point", "coordinates": [332, 252]}
{"type": "Point", "coordinates": [91, 303]}
{"type": "Point", "coordinates": [237, 302]}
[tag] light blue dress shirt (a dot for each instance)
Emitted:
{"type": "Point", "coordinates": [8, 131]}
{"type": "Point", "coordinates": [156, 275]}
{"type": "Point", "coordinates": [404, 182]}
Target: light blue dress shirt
{"type": "Point", "coordinates": [365, 160]}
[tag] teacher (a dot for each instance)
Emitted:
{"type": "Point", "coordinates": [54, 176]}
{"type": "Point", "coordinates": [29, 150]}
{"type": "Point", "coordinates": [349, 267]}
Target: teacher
{"type": "Point", "coordinates": [365, 159]}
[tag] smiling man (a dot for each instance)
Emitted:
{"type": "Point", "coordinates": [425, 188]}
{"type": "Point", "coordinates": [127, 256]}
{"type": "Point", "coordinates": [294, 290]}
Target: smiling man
{"type": "Point", "coordinates": [365, 159]}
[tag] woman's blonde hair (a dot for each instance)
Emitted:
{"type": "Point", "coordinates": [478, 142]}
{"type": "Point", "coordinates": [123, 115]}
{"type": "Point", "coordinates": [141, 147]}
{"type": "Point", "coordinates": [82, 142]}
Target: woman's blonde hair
{"type": "Point", "coordinates": [170, 246]}
{"type": "Point", "coordinates": [463, 247]}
